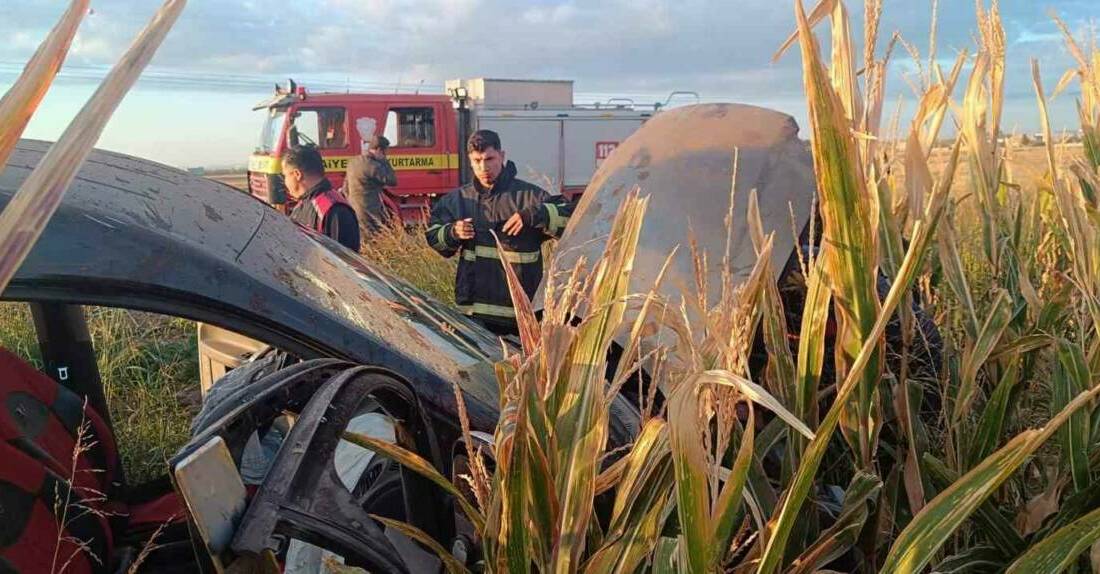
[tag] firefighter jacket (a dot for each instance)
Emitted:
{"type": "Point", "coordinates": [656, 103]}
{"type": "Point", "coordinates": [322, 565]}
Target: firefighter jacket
{"type": "Point", "coordinates": [481, 287]}
{"type": "Point", "coordinates": [326, 210]}
{"type": "Point", "coordinates": [367, 178]}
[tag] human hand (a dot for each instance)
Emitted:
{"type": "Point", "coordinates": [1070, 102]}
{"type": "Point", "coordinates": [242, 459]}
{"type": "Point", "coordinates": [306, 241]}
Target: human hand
{"type": "Point", "coordinates": [464, 229]}
{"type": "Point", "coordinates": [514, 225]}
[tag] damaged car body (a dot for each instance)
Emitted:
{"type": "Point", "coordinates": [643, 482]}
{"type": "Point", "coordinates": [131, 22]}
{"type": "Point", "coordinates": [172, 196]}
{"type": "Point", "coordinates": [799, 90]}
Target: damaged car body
{"type": "Point", "coordinates": [344, 341]}
{"type": "Point", "coordinates": [267, 475]}
{"type": "Point", "coordinates": [698, 166]}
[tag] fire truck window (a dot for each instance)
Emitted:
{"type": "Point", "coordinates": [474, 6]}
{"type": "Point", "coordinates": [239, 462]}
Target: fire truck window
{"type": "Point", "coordinates": [411, 127]}
{"type": "Point", "coordinates": [272, 130]}
{"type": "Point", "coordinates": [325, 127]}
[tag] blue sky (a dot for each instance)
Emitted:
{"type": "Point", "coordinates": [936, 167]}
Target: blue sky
{"type": "Point", "coordinates": [193, 107]}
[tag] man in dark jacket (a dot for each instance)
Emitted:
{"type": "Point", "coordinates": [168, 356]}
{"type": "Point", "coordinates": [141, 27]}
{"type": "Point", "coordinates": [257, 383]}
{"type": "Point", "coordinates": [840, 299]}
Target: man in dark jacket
{"type": "Point", "coordinates": [367, 177]}
{"type": "Point", "coordinates": [320, 207]}
{"type": "Point", "coordinates": [521, 214]}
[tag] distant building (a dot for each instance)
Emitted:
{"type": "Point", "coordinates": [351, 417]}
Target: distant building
{"type": "Point", "coordinates": [1074, 137]}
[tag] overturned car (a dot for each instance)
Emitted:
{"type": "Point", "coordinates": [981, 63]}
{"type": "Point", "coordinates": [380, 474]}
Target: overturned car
{"type": "Point", "coordinates": [699, 166]}
{"type": "Point", "coordinates": [342, 342]}
{"type": "Point", "coordinates": [267, 478]}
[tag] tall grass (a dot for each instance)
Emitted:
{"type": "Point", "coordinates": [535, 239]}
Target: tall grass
{"type": "Point", "coordinates": [406, 254]}
{"type": "Point", "coordinates": [149, 368]}
{"type": "Point", "coordinates": [968, 472]}
{"type": "Point", "coordinates": [17, 332]}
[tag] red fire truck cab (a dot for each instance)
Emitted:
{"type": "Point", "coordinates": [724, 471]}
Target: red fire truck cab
{"type": "Point", "coordinates": [553, 142]}
{"type": "Point", "coordinates": [421, 130]}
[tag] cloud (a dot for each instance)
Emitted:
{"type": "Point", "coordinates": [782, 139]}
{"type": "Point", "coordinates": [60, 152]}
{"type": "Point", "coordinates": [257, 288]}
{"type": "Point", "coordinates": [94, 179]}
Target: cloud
{"type": "Point", "coordinates": [1028, 36]}
{"type": "Point", "coordinates": [224, 55]}
{"type": "Point", "coordinates": [554, 15]}
{"type": "Point", "coordinates": [639, 47]}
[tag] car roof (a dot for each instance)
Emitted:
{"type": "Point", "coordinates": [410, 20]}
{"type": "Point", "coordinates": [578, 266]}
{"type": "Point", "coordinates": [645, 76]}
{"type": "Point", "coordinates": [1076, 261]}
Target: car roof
{"type": "Point", "coordinates": [137, 234]}
{"type": "Point", "coordinates": [683, 161]}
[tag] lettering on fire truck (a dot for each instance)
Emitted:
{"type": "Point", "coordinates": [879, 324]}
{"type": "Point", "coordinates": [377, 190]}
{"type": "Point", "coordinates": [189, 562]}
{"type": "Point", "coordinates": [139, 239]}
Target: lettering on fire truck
{"type": "Point", "coordinates": [336, 163]}
{"type": "Point", "coordinates": [603, 151]}
{"type": "Point", "coordinates": [419, 161]}
{"type": "Point", "coordinates": [399, 162]}
{"type": "Point", "coordinates": [272, 165]}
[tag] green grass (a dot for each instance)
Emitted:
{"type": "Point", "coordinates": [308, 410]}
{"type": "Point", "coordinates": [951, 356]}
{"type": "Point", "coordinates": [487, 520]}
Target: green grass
{"type": "Point", "coordinates": [149, 367]}
{"type": "Point", "coordinates": [407, 255]}
{"type": "Point", "coordinates": [17, 332]}
{"type": "Point", "coordinates": [149, 363]}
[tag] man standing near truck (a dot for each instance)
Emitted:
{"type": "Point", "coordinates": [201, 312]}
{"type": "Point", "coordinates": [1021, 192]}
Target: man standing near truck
{"type": "Point", "coordinates": [367, 178]}
{"type": "Point", "coordinates": [320, 207]}
{"type": "Point", "coordinates": [522, 215]}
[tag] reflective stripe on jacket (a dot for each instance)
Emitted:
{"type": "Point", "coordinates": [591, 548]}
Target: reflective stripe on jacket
{"type": "Point", "coordinates": [481, 287]}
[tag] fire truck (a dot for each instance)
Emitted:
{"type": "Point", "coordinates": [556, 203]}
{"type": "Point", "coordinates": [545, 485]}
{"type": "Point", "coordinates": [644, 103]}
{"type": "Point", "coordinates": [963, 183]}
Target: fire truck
{"type": "Point", "coordinates": [554, 143]}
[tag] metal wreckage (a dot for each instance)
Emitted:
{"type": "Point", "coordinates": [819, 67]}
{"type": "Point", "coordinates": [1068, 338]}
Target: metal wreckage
{"type": "Point", "coordinates": [302, 340]}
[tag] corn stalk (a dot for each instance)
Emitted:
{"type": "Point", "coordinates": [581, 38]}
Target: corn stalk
{"type": "Point", "coordinates": [25, 217]}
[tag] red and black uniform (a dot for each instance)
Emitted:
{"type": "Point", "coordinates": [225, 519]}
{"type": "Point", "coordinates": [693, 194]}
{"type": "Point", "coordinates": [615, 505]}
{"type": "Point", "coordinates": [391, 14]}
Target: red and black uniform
{"type": "Point", "coordinates": [481, 288]}
{"type": "Point", "coordinates": [327, 211]}
{"type": "Point", "coordinates": [63, 493]}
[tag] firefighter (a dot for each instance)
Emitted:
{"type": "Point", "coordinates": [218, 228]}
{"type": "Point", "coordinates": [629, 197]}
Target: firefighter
{"type": "Point", "coordinates": [367, 177]}
{"type": "Point", "coordinates": [320, 207]}
{"type": "Point", "coordinates": [522, 215]}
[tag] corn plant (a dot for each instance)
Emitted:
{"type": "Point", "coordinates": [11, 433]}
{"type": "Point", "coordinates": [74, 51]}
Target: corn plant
{"type": "Point", "coordinates": [1001, 478]}
{"type": "Point", "coordinates": [1016, 302]}
{"type": "Point", "coordinates": [550, 450]}
{"type": "Point", "coordinates": [1025, 329]}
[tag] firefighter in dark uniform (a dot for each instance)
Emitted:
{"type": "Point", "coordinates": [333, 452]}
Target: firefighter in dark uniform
{"type": "Point", "coordinates": [320, 207]}
{"type": "Point", "coordinates": [523, 215]}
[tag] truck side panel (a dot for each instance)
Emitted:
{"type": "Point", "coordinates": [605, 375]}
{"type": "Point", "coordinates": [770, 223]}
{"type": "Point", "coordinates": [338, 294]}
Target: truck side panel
{"type": "Point", "coordinates": [534, 144]}
{"type": "Point", "coordinates": [588, 141]}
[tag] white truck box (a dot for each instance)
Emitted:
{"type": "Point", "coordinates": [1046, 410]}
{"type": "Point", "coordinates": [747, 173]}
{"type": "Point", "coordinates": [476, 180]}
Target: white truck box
{"type": "Point", "coordinates": [498, 93]}
{"type": "Point", "coordinates": [560, 150]}
{"type": "Point", "coordinates": [554, 143]}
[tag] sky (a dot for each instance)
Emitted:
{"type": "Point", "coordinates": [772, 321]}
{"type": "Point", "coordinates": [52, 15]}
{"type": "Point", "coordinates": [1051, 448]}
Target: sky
{"type": "Point", "coordinates": [193, 104]}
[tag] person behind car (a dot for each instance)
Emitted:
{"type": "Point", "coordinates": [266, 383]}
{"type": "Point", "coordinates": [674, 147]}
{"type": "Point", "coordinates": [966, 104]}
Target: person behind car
{"type": "Point", "coordinates": [319, 207]}
{"type": "Point", "coordinates": [522, 215]}
{"type": "Point", "coordinates": [367, 177]}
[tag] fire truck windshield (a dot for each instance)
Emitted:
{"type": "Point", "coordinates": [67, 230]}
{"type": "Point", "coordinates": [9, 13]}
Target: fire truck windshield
{"type": "Point", "coordinates": [273, 127]}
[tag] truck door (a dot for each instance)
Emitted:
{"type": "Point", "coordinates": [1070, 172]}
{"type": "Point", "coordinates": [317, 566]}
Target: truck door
{"type": "Point", "coordinates": [327, 128]}
{"type": "Point", "coordinates": [420, 154]}
{"type": "Point", "coordinates": [418, 150]}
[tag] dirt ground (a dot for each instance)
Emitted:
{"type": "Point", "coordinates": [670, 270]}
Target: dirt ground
{"type": "Point", "coordinates": [1027, 165]}
{"type": "Point", "coordinates": [237, 180]}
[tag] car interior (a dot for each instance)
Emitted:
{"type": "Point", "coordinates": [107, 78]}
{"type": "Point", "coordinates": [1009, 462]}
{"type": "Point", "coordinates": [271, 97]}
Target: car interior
{"type": "Point", "coordinates": [235, 486]}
